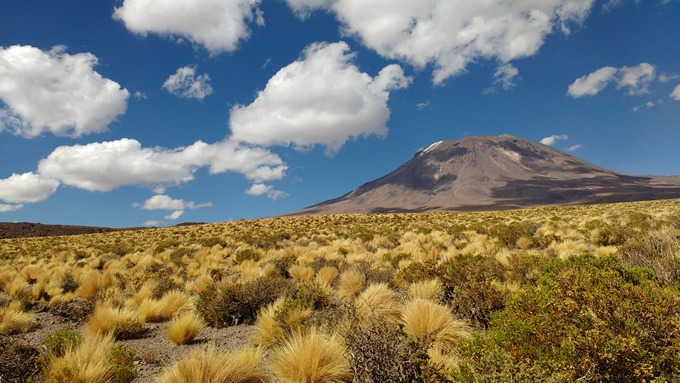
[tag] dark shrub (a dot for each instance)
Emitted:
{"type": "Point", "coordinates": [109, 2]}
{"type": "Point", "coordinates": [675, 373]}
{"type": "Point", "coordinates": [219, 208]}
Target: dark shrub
{"type": "Point", "coordinates": [469, 288]}
{"type": "Point", "coordinates": [418, 271]}
{"type": "Point", "coordinates": [240, 303]}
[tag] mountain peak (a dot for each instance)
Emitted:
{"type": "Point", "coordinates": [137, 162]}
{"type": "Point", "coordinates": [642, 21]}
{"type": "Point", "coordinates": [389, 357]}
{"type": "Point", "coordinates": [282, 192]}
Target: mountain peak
{"type": "Point", "coordinates": [494, 172]}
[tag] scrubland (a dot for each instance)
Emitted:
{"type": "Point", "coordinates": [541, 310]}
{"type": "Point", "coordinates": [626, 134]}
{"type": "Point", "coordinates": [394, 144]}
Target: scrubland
{"type": "Point", "coordinates": [559, 294]}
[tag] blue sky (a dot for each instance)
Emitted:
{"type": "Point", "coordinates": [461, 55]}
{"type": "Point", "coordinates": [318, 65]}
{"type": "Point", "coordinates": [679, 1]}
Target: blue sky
{"type": "Point", "coordinates": [155, 112]}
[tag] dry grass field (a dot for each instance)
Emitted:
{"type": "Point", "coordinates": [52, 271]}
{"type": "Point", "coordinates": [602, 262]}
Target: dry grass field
{"type": "Point", "coordinates": [588, 293]}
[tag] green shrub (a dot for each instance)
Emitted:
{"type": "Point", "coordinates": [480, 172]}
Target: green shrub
{"type": "Point", "coordinates": [247, 254]}
{"type": "Point", "coordinates": [418, 271]}
{"type": "Point", "coordinates": [470, 288]}
{"type": "Point", "coordinates": [659, 252]}
{"type": "Point", "coordinates": [122, 360]}
{"type": "Point", "coordinates": [592, 320]}
{"type": "Point", "coordinates": [240, 303]}
{"type": "Point", "coordinates": [68, 284]}
{"type": "Point", "coordinates": [283, 264]}
{"type": "Point", "coordinates": [60, 341]}
{"type": "Point", "coordinates": [507, 235]}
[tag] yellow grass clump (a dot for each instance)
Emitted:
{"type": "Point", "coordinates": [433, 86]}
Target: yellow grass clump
{"type": "Point", "coordinates": [301, 273]}
{"type": "Point", "coordinates": [121, 322]}
{"type": "Point", "coordinates": [160, 310]}
{"type": "Point", "coordinates": [185, 328]}
{"type": "Point", "coordinates": [86, 363]}
{"type": "Point", "coordinates": [430, 289]}
{"type": "Point", "coordinates": [311, 357]}
{"type": "Point", "coordinates": [422, 317]}
{"type": "Point", "coordinates": [15, 321]}
{"type": "Point", "coordinates": [350, 284]}
{"type": "Point", "coordinates": [210, 366]}
{"type": "Point", "coordinates": [327, 275]}
{"type": "Point", "coordinates": [378, 300]}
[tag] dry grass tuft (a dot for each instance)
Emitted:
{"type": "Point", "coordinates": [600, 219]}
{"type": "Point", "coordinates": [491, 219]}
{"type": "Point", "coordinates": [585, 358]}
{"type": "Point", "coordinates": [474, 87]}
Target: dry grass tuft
{"type": "Point", "coordinates": [267, 329]}
{"type": "Point", "coordinates": [431, 289]}
{"type": "Point", "coordinates": [311, 357]}
{"type": "Point", "coordinates": [15, 321]}
{"type": "Point", "coordinates": [301, 273]}
{"type": "Point", "coordinates": [327, 275]}
{"type": "Point", "coordinates": [210, 366]}
{"type": "Point", "coordinates": [378, 300]}
{"type": "Point", "coordinates": [120, 322]}
{"type": "Point", "coordinates": [185, 328]}
{"type": "Point", "coordinates": [87, 363]}
{"type": "Point", "coordinates": [422, 318]}
{"type": "Point", "coordinates": [350, 284]}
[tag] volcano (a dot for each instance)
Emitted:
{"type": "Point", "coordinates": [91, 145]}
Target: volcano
{"type": "Point", "coordinates": [494, 173]}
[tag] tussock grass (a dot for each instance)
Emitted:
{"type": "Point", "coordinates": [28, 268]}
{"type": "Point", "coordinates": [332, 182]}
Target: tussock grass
{"type": "Point", "coordinates": [378, 300]}
{"type": "Point", "coordinates": [15, 321]}
{"type": "Point", "coordinates": [86, 363]}
{"type": "Point", "coordinates": [423, 318]}
{"type": "Point", "coordinates": [184, 328]}
{"type": "Point", "coordinates": [351, 283]}
{"type": "Point", "coordinates": [121, 322]}
{"type": "Point", "coordinates": [327, 275]}
{"type": "Point", "coordinates": [431, 289]}
{"type": "Point", "coordinates": [301, 273]}
{"type": "Point", "coordinates": [211, 366]}
{"type": "Point", "coordinates": [311, 357]}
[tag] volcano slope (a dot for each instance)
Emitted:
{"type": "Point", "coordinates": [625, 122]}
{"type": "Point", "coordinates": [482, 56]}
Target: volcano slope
{"type": "Point", "coordinates": [492, 173]}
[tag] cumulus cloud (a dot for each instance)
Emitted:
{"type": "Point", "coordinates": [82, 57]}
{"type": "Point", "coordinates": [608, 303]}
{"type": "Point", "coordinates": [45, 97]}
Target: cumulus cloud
{"type": "Point", "coordinates": [164, 202]}
{"type": "Point", "coordinates": [636, 79]}
{"type": "Point", "coordinates": [676, 93]}
{"type": "Point", "coordinates": [27, 187]}
{"type": "Point", "coordinates": [593, 83]}
{"type": "Point", "coordinates": [185, 83]}
{"type": "Point", "coordinates": [108, 165]}
{"type": "Point", "coordinates": [4, 208]}
{"type": "Point", "coordinates": [217, 25]}
{"type": "Point", "coordinates": [553, 139]}
{"type": "Point", "coordinates": [152, 222]}
{"type": "Point", "coordinates": [56, 92]}
{"type": "Point", "coordinates": [505, 76]}
{"type": "Point", "coordinates": [322, 98]}
{"type": "Point", "coordinates": [260, 189]}
{"type": "Point", "coordinates": [574, 147]}
{"type": "Point", "coordinates": [451, 34]}
{"type": "Point", "coordinates": [174, 215]}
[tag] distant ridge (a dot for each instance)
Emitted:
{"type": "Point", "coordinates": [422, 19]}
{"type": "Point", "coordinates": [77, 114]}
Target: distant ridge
{"type": "Point", "coordinates": [489, 173]}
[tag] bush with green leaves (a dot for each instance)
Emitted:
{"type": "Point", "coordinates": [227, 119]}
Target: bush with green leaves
{"type": "Point", "coordinates": [240, 303]}
{"type": "Point", "coordinates": [122, 360]}
{"type": "Point", "coordinates": [471, 287]}
{"type": "Point", "coordinates": [589, 319]}
{"type": "Point", "coordinates": [60, 341]}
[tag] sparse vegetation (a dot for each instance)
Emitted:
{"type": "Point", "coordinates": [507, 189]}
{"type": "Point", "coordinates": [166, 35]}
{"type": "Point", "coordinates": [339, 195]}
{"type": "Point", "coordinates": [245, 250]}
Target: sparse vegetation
{"type": "Point", "coordinates": [589, 293]}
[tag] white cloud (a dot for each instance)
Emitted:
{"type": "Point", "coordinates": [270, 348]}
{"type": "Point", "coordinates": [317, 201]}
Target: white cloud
{"type": "Point", "coordinates": [574, 147]}
{"type": "Point", "coordinates": [322, 98]}
{"type": "Point", "coordinates": [175, 214]}
{"type": "Point", "coordinates": [152, 223]}
{"type": "Point", "coordinates": [637, 78]}
{"type": "Point", "coordinates": [140, 95]}
{"type": "Point", "coordinates": [27, 187]}
{"type": "Point", "coordinates": [505, 76]}
{"type": "Point", "coordinates": [422, 105]}
{"type": "Point", "coordinates": [7, 208]}
{"type": "Point", "coordinates": [676, 93]}
{"type": "Point", "coordinates": [648, 105]}
{"type": "Point", "coordinates": [56, 92]}
{"type": "Point", "coordinates": [218, 25]}
{"type": "Point", "coordinates": [451, 34]}
{"type": "Point", "coordinates": [260, 189]}
{"type": "Point", "coordinates": [164, 202]}
{"type": "Point", "coordinates": [553, 139]}
{"type": "Point", "coordinates": [184, 83]}
{"type": "Point", "coordinates": [108, 165]}
{"type": "Point", "coordinates": [666, 77]}
{"type": "Point", "coordinates": [593, 83]}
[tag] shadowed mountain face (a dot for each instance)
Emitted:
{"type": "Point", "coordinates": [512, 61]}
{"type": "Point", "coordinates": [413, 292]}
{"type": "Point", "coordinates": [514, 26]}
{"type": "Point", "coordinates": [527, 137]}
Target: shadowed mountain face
{"type": "Point", "coordinates": [489, 173]}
